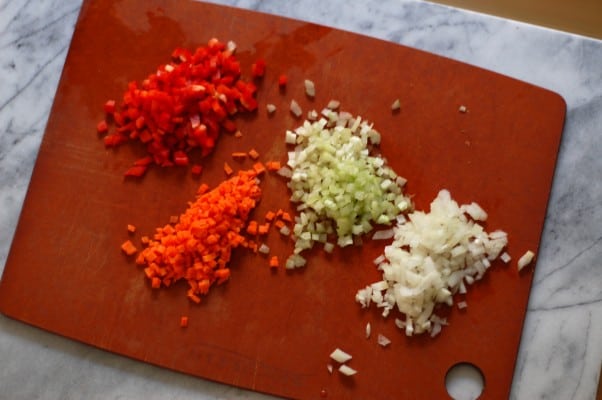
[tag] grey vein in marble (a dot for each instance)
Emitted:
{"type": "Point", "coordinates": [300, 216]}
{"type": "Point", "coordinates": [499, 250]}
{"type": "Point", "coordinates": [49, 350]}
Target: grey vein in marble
{"type": "Point", "coordinates": [561, 349]}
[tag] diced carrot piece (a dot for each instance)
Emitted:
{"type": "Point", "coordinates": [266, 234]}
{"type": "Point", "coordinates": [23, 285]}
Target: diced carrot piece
{"type": "Point", "coordinates": [286, 217]}
{"type": "Point", "coordinates": [270, 215]}
{"type": "Point", "coordinates": [196, 169]}
{"type": "Point", "coordinates": [273, 165]}
{"type": "Point", "coordinates": [228, 169]}
{"type": "Point", "coordinates": [131, 228]}
{"type": "Point", "coordinates": [155, 282]}
{"type": "Point", "coordinates": [259, 168]}
{"type": "Point", "coordinates": [253, 154]}
{"type": "Point", "coordinates": [263, 229]}
{"type": "Point", "coordinates": [184, 321]}
{"type": "Point", "coordinates": [239, 155]}
{"type": "Point", "coordinates": [128, 247]}
{"type": "Point", "coordinates": [238, 134]}
{"type": "Point", "coordinates": [252, 227]}
{"type": "Point", "coordinates": [274, 262]}
{"type": "Point", "coordinates": [279, 224]}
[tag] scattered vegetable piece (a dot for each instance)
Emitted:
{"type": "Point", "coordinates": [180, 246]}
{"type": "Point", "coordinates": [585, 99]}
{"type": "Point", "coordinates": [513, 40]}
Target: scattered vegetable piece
{"type": "Point", "coordinates": [198, 247]}
{"type": "Point", "coordinates": [196, 169]}
{"type": "Point", "coordinates": [368, 330]}
{"type": "Point", "coordinates": [109, 107]}
{"type": "Point", "coordinates": [525, 259]}
{"type": "Point", "coordinates": [102, 127]}
{"type": "Point", "coordinates": [253, 154]}
{"type": "Point", "coordinates": [383, 340]}
{"type": "Point", "coordinates": [128, 247]}
{"type": "Point", "coordinates": [333, 104]}
{"type": "Point", "coordinates": [271, 108]}
{"type": "Point", "coordinates": [396, 105]}
{"type": "Point", "coordinates": [252, 228]}
{"type": "Point", "coordinates": [131, 228]}
{"type": "Point", "coordinates": [258, 68]}
{"type": "Point", "coordinates": [259, 168]}
{"type": "Point", "coordinates": [184, 322]}
{"type": "Point", "coordinates": [347, 370]}
{"type": "Point", "coordinates": [270, 215]}
{"type": "Point", "coordinates": [296, 108]}
{"type": "Point", "coordinates": [282, 81]}
{"type": "Point", "coordinates": [274, 262]}
{"type": "Point", "coordinates": [463, 109]}
{"type": "Point", "coordinates": [340, 356]}
{"type": "Point", "coordinates": [310, 88]}
{"type": "Point", "coordinates": [263, 229]}
{"type": "Point", "coordinates": [228, 169]}
{"type": "Point", "coordinates": [239, 155]}
{"type": "Point", "coordinates": [264, 249]}
{"type": "Point", "coordinates": [273, 165]}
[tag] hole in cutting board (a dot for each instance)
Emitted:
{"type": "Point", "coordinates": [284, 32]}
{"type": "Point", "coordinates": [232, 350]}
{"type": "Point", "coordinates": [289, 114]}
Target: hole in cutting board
{"type": "Point", "coordinates": [464, 381]}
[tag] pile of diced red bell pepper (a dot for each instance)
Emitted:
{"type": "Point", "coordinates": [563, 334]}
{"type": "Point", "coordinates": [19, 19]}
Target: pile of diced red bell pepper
{"type": "Point", "coordinates": [184, 105]}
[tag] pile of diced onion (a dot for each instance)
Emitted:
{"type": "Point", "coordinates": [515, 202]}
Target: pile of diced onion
{"type": "Point", "coordinates": [341, 188]}
{"type": "Point", "coordinates": [433, 256]}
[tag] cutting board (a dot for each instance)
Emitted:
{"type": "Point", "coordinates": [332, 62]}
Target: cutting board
{"type": "Point", "coordinates": [273, 331]}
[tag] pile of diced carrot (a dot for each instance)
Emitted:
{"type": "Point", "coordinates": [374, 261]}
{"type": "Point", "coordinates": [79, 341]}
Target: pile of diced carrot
{"type": "Point", "coordinates": [199, 245]}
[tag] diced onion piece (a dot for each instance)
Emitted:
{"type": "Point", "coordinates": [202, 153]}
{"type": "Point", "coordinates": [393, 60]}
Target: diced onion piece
{"type": "Point", "coordinates": [347, 370]}
{"type": "Point", "coordinates": [330, 368]}
{"type": "Point", "coordinates": [368, 330]}
{"type": "Point", "coordinates": [340, 356]}
{"type": "Point", "coordinates": [396, 105]}
{"type": "Point", "coordinates": [475, 211]}
{"type": "Point", "coordinates": [462, 109]}
{"type": "Point", "coordinates": [285, 231]}
{"type": "Point", "coordinates": [296, 108]}
{"type": "Point", "coordinates": [383, 340]}
{"type": "Point", "coordinates": [285, 172]}
{"type": "Point", "coordinates": [310, 88]}
{"type": "Point", "coordinates": [333, 104]}
{"type": "Point", "coordinates": [525, 259]}
{"type": "Point", "coordinates": [264, 249]}
{"type": "Point", "coordinates": [231, 46]}
{"type": "Point", "coordinates": [505, 257]}
{"type": "Point", "coordinates": [312, 115]}
{"type": "Point", "coordinates": [384, 234]}
{"type": "Point", "coordinates": [462, 305]}
{"type": "Point", "coordinates": [270, 108]}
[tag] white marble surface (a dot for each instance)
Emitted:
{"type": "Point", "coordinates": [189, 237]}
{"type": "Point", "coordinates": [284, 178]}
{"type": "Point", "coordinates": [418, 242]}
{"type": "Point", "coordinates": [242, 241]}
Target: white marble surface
{"type": "Point", "coordinates": [561, 350]}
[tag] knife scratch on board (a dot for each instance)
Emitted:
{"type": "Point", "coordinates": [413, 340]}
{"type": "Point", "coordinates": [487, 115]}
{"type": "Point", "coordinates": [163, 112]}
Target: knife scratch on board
{"type": "Point", "coordinates": [255, 373]}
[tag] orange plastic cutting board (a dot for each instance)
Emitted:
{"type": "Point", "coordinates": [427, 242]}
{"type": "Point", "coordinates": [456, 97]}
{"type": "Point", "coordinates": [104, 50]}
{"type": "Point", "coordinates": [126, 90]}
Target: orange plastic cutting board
{"type": "Point", "coordinates": [264, 330]}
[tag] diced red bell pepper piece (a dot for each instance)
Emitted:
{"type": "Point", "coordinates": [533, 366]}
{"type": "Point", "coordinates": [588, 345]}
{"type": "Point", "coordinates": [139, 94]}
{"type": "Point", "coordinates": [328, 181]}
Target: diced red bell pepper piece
{"type": "Point", "coordinates": [102, 127]}
{"type": "Point", "coordinates": [180, 158]}
{"type": "Point", "coordinates": [109, 106]}
{"type": "Point", "coordinates": [282, 80]}
{"type": "Point", "coordinates": [258, 68]}
{"type": "Point", "coordinates": [136, 171]}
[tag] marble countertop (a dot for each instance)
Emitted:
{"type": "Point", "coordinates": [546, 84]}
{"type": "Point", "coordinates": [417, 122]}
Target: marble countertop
{"type": "Point", "coordinates": [561, 350]}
